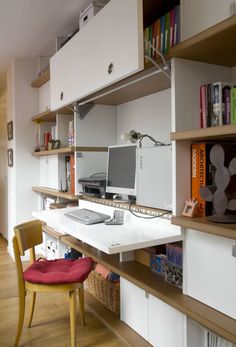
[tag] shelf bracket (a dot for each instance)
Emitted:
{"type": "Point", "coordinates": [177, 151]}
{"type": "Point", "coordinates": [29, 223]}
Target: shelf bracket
{"type": "Point", "coordinates": [82, 110]}
{"type": "Point", "coordinates": [166, 67]}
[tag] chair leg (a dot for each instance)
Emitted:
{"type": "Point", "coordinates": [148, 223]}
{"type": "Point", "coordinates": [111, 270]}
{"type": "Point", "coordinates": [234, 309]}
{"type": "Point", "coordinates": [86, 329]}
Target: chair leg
{"type": "Point", "coordinates": [81, 303]}
{"type": "Point", "coordinates": [72, 295]}
{"type": "Point", "coordinates": [21, 315]}
{"type": "Point", "coordinates": [33, 298]}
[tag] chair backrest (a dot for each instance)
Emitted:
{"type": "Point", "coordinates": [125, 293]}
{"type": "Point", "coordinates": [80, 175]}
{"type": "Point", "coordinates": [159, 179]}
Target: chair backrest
{"type": "Point", "coordinates": [28, 235]}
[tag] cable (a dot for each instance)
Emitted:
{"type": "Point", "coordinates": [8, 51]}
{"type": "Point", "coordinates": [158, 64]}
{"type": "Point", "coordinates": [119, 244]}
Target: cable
{"type": "Point", "coordinates": [145, 217]}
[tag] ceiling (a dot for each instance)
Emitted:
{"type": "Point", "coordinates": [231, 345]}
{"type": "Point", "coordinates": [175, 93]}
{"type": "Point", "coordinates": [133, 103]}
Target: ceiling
{"type": "Point", "coordinates": [28, 28]}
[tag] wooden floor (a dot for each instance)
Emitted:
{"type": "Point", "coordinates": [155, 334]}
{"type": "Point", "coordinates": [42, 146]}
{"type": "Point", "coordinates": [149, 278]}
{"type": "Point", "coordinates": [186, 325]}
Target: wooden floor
{"type": "Point", "coordinates": [50, 327]}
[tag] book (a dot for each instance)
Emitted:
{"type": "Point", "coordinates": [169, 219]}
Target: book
{"type": "Point", "coordinates": [177, 25]}
{"type": "Point", "coordinates": [167, 33]}
{"type": "Point", "coordinates": [158, 34]}
{"type": "Point", "coordinates": [233, 105]}
{"type": "Point", "coordinates": [209, 104]}
{"type": "Point", "coordinates": [172, 27]}
{"type": "Point", "coordinates": [218, 102]}
{"type": "Point", "coordinates": [68, 176]}
{"type": "Point", "coordinates": [203, 106]}
{"type": "Point", "coordinates": [227, 106]}
{"type": "Point", "coordinates": [202, 174]}
{"type": "Point", "coordinates": [162, 30]}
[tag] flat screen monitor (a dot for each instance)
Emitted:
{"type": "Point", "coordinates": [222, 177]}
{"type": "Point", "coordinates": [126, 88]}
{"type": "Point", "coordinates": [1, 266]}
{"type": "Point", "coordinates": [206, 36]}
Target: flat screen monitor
{"type": "Point", "coordinates": [121, 170]}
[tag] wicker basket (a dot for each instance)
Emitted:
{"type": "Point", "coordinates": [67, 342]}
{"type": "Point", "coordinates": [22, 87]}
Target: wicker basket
{"type": "Point", "coordinates": [106, 292]}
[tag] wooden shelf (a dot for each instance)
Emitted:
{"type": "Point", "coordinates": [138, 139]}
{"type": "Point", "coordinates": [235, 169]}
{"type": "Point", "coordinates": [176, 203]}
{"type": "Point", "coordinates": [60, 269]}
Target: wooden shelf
{"type": "Point", "coordinates": [215, 45]}
{"type": "Point", "coordinates": [148, 81]}
{"type": "Point", "coordinates": [50, 116]}
{"type": "Point", "coordinates": [223, 132]}
{"type": "Point", "coordinates": [42, 79]}
{"type": "Point", "coordinates": [154, 284]}
{"type": "Point", "coordinates": [54, 192]}
{"type": "Point", "coordinates": [202, 224]}
{"type": "Point", "coordinates": [65, 150]}
{"type": "Point", "coordinates": [127, 335]}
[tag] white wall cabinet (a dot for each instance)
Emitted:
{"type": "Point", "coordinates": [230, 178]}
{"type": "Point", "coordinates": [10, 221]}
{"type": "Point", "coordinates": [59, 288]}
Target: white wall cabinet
{"type": "Point", "coordinates": [106, 50]}
{"type": "Point", "coordinates": [211, 271]}
{"type": "Point", "coordinates": [157, 322]}
{"type": "Point", "coordinates": [200, 15]}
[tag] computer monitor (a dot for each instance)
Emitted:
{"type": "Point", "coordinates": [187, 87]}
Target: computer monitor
{"type": "Point", "coordinates": [121, 170]}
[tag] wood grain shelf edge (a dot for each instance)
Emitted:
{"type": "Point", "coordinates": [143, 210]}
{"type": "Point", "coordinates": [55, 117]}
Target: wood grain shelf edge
{"type": "Point", "coordinates": [41, 80]}
{"type": "Point", "coordinates": [54, 192]}
{"type": "Point", "coordinates": [203, 225]}
{"type": "Point", "coordinates": [69, 150]}
{"type": "Point", "coordinates": [224, 132]}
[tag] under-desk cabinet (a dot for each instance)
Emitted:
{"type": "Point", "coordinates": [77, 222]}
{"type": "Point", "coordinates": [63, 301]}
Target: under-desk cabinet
{"type": "Point", "coordinates": [201, 14]}
{"type": "Point", "coordinates": [157, 322]}
{"type": "Point", "coordinates": [211, 271]}
{"type": "Point", "coordinates": [107, 49]}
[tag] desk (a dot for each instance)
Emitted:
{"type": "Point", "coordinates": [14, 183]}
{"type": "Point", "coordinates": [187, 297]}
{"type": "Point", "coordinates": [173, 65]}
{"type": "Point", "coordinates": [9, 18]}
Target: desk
{"type": "Point", "coordinates": [135, 233]}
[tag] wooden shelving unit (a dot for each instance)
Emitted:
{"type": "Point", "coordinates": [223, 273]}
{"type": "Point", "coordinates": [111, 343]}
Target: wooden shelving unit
{"type": "Point", "coordinates": [54, 192]}
{"type": "Point", "coordinates": [211, 45]}
{"type": "Point", "coordinates": [41, 79]}
{"type": "Point", "coordinates": [50, 116]}
{"type": "Point", "coordinates": [202, 224]}
{"type": "Point", "coordinates": [148, 81]}
{"type": "Point", "coordinates": [68, 150]}
{"type": "Point", "coordinates": [154, 284]}
{"type": "Point", "coordinates": [223, 132]}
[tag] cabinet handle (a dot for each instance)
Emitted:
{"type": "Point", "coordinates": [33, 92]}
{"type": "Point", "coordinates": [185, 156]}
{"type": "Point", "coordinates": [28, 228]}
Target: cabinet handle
{"type": "Point", "coordinates": [110, 68]}
{"type": "Point", "coordinates": [62, 96]}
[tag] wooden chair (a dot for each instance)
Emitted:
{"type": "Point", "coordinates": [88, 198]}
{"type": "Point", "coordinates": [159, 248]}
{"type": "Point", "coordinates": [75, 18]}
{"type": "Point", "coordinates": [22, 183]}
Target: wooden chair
{"type": "Point", "coordinates": [59, 275]}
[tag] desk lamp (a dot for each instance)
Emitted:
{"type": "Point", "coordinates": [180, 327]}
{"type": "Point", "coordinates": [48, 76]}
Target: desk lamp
{"type": "Point", "coordinates": [133, 136]}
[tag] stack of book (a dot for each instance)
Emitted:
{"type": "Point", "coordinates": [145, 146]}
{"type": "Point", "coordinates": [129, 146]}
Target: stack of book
{"type": "Point", "coordinates": [163, 33]}
{"type": "Point", "coordinates": [217, 104]}
{"type": "Point", "coordinates": [70, 173]}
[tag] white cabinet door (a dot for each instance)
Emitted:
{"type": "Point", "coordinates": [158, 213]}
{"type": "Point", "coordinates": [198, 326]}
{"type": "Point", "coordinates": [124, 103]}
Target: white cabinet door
{"type": "Point", "coordinates": [114, 37]}
{"type": "Point", "coordinates": [134, 307]}
{"type": "Point", "coordinates": [165, 324]}
{"type": "Point", "coordinates": [211, 271]}
{"type": "Point", "coordinates": [202, 14]}
{"type": "Point", "coordinates": [49, 171]}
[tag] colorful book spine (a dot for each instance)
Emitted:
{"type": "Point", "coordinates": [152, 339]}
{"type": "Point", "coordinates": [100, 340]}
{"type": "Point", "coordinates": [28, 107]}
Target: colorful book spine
{"type": "Point", "coordinates": [158, 34]}
{"type": "Point", "coordinates": [209, 104]}
{"type": "Point", "coordinates": [203, 106]}
{"type": "Point", "coordinates": [216, 105]}
{"type": "Point", "coordinates": [162, 29]}
{"type": "Point", "coordinates": [226, 103]}
{"type": "Point", "coordinates": [177, 25]}
{"type": "Point", "coordinates": [154, 38]}
{"type": "Point", "coordinates": [194, 172]}
{"type": "Point", "coordinates": [146, 37]}
{"type": "Point", "coordinates": [233, 105]}
{"type": "Point", "coordinates": [172, 27]}
{"type": "Point", "coordinates": [167, 33]}
{"type": "Point", "coordinates": [201, 176]}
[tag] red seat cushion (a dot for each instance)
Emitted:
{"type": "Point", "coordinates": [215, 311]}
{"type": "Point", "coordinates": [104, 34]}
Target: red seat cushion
{"type": "Point", "coordinates": [59, 271]}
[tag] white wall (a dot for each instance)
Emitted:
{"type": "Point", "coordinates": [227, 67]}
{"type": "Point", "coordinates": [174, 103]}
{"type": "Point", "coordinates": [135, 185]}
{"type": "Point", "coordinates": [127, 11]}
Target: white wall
{"type": "Point", "coordinates": [23, 104]}
{"type": "Point", "coordinates": [3, 165]}
{"type": "Point", "coordinates": [149, 115]}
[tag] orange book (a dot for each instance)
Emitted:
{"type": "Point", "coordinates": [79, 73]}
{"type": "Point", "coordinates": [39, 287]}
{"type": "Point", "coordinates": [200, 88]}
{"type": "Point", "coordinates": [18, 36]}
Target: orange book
{"type": "Point", "coordinates": [202, 178]}
{"type": "Point", "coordinates": [158, 34]}
{"type": "Point", "coordinates": [195, 172]}
{"type": "Point", "coordinates": [72, 174]}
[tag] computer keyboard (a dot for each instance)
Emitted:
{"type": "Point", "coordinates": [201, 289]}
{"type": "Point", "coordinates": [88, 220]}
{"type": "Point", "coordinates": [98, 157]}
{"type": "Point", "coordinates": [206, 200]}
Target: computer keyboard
{"type": "Point", "coordinates": [86, 216]}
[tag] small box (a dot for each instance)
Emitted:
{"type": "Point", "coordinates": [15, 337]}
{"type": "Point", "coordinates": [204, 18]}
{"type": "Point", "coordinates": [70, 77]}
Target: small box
{"type": "Point", "coordinates": [158, 263]}
{"type": "Point", "coordinates": [90, 12]}
{"type": "Point", "coordinates": [174, 275]}
{"type": "Point", "coordinates": [174, 253]}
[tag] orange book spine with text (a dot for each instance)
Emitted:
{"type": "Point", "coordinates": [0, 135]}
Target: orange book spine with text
{"type": "Point", "coordinates": [202, 177]}
{"type": "Point", "coordinates": [195, 172]}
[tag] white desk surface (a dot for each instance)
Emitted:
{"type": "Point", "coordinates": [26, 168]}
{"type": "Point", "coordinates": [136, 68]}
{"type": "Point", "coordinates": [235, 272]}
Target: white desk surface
{"type": "Point", "coordinates": [135, 233]}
